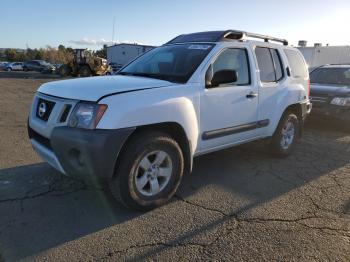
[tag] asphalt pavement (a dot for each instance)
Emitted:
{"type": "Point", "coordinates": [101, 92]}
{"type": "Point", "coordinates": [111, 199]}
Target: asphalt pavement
{"type": "Point", "coordinates": [239, 204]}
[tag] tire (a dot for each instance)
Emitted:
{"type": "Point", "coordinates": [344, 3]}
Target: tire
{"type": "Point", "coordinates": [64, 70]}
{"type": "Point", "coordinates": [286, 135]}
{"type": "Point", "coordinates": [8, 69]}
{"type": "Point", "coordinates": [85, 71]}
{"type": "Point", "coordinates": [126, 186]}
{"type": "Point", "coordinates": [25, 69]}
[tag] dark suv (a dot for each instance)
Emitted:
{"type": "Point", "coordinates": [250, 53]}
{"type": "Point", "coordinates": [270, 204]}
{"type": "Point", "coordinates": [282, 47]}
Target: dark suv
{"type": "Point", "coordinates": [330, 91]}
{"type": "Point", "coordinates": [39, 66]}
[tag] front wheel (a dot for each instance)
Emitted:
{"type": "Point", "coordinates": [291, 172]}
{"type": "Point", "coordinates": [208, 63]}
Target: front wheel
{"type": "Point", "coordinates": [149, 171]}
{"type": "Point", "coordinates": [286, 135]}
{"type": "Point", "coordinates": [65, 70]}
{"type": "Point", "coordinates": [85, 71]}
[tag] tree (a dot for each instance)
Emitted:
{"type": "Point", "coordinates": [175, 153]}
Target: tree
{"type": "Point", "coordinates": [21, 57]}
{"type": "Point", "coordinates": [61, 48]}
{"type": "Point", "coordinates": [70, 50]}
{"type": "Point", "coordinates": [102, 52]}
{"type": "Point", "coordinates": [11, 54]}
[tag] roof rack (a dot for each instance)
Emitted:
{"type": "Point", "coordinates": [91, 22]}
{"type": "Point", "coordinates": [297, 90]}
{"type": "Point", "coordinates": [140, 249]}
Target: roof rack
{"type": "Point", "coordinates": [218, 36]}
{"type": "Point", "coordinates": [267, 38]}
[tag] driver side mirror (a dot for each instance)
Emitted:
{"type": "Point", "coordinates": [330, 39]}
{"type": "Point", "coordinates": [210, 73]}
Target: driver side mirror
{"type": "Point", "coordinates": [224, 76]}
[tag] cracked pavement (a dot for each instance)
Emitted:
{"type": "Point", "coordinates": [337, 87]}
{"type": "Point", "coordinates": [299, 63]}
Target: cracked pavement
{"type": "Point", "coordinates": [239, 204]}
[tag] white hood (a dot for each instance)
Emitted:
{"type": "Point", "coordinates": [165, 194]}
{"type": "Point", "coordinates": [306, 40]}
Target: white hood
{"type": "Point", "coordinates": [93, 88]}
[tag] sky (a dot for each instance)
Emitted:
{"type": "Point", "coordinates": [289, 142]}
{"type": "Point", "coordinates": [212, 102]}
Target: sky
{"type": "Point", "coordinates": [89, 23]}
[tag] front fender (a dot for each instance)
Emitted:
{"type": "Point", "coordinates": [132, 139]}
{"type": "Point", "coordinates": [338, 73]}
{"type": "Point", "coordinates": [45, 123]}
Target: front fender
{"type": "Point", "coordinates": [152, 107]}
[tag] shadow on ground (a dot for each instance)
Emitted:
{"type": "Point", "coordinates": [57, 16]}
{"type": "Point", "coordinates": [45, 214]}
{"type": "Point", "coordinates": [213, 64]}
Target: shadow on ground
{"type": "Point", "coordinates": [244, 180]}
{"type": "Point", "coordinates": [41, 209]}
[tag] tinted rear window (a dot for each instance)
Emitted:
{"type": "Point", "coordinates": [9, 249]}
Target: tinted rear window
{"type": "Point", "coordinates": [331, 76]}
{"type": "Point", "coordinates": [296, 63]}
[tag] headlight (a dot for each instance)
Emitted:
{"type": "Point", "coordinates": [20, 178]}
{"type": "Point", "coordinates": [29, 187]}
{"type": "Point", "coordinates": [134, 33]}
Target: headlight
{"type": "Point", "coordinates": [341, 101]}
{"type": "Point", "coordinates": [86, 115]}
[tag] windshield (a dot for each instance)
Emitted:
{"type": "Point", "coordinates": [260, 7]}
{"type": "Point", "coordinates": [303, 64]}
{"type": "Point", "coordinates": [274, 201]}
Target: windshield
{"type": "Point", "coordinates": [175, 63]}
{"type": "Point", "coordinates": [331, 76]}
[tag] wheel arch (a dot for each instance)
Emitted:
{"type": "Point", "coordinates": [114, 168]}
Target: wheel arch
{"type": "Point", "coordinates": [297, 110]}
{"type": "Point", "coordinates": [173, 129]}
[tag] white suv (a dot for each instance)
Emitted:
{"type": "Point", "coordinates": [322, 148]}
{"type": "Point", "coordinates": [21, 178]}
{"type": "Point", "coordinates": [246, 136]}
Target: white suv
{"type": "Point", "coordinates": [197, 94]}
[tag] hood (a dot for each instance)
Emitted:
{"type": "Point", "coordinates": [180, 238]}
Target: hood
{"type": "Point", "coordinates": [329, 90]}
{"type": "Point", "coordinates": [93, 88]}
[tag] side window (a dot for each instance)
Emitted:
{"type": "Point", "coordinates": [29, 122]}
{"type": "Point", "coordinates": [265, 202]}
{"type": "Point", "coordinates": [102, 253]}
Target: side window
{"type": "Point", "coordinates": [278, 64]}
{"type": "Point", "coordinates": [270, 64]}
{"type": "Point", "coordinates": [265, 63]}
{"type": "Point", "coordinates": [234, 59]}
{"type": "Point", "coordinates": [296, 63]}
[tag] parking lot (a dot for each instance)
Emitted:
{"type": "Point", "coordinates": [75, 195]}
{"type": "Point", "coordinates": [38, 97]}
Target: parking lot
{"type": "Point", "coordinates": [240, 204]}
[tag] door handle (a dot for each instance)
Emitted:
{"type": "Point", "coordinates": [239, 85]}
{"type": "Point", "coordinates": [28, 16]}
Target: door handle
{"type": "Point", "coordinates": [252, 95]}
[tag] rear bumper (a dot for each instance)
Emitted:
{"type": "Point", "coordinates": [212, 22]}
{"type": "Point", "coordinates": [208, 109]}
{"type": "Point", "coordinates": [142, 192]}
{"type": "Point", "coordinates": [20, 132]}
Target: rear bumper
{"type": "Point", "coordinates": [74, 151]}
{"type": "Point", "coordinates": [306, 107]}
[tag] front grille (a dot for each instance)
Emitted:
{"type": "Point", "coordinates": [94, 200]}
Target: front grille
{"type": "Point", "coordinates": [44, 109]}
{"type": "Point", "coordinates": [39, 138]}
{"type": "Point", "coordinates": [319, 99]}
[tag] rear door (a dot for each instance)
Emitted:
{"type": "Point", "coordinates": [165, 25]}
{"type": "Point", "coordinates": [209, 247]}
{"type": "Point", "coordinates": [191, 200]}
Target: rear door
{"type": "Point", "coordinates": [229, 112]}
{"type": "Point", "coordinates": [271, 84]}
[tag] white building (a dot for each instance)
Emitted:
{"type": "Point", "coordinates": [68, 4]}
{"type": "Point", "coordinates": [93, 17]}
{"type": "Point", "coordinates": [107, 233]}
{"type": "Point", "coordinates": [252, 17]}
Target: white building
{"type": "Point", "coordinates": [320, 55]}
{"type": "Point", "coordinates": [122, 54]}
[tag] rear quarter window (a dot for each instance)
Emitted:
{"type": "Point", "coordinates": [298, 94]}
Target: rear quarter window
{"type": "Point", "coordinates": [297, 65]}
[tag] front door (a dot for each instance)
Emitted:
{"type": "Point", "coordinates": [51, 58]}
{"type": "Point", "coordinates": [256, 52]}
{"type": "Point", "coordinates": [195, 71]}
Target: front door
{"type": "Point", "coordinates": [229, 112]}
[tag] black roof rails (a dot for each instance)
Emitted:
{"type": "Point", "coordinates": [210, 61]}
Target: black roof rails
{"type": "Point", "coordinates": [217, 36]}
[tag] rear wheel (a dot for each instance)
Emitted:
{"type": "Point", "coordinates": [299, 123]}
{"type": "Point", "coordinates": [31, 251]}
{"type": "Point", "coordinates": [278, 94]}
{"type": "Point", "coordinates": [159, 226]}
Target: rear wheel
{"type": "Point", "coordinates": [149, 172]}
{"type": "Point", "coordinates": [286, 135]}
{"type": "Point", "coordinates": [64, 70]}
{"type": "Point", "coordinates": [85, 71]}
{"type": "Point", "coordinates": [9, 69]}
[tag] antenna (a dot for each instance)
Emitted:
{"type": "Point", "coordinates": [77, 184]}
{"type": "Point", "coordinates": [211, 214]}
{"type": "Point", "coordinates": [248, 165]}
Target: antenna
{"type": "Point", "coordinates": [113, 30]}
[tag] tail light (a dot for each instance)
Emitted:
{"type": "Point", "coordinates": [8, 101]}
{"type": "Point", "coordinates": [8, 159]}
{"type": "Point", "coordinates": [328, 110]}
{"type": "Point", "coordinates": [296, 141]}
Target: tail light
{"type": "Point", "coordinates": [309, 87]}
